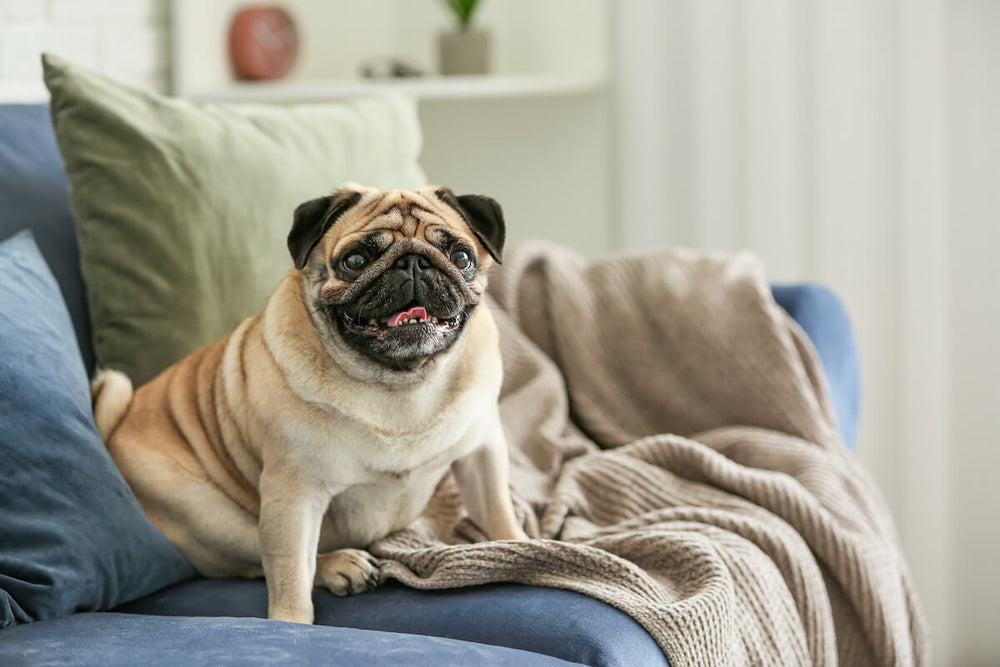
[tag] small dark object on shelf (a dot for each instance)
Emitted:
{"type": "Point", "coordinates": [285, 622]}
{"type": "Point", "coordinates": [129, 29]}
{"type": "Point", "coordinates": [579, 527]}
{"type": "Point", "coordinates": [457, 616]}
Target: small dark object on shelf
{"type": "Point", "coordinates": [388, 68]}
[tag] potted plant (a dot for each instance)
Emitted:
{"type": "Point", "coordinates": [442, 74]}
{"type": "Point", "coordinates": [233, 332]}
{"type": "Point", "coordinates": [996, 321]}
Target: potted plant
{"type": "Point", "coordinates": [464, 50]}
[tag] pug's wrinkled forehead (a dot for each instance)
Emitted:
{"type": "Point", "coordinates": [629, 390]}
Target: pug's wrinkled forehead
{"type": "Point", "coordinates": [375, 220]}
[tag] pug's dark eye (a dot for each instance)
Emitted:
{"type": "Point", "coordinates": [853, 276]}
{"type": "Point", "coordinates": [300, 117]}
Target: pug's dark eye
{"type": "Point", "coordinates": [354, 262]}
{"type": "Point", "coordinates": [461, 259]}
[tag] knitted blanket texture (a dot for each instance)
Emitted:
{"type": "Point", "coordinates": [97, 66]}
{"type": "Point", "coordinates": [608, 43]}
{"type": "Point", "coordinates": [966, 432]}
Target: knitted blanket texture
{"type": "Point", "coordinates": [674, 453]}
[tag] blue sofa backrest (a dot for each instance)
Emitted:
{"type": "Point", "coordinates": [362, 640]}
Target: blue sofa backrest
{"type": "Point", "coordinates": [34, 195]}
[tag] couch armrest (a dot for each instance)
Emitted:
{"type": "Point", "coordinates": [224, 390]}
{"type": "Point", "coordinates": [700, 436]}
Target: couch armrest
{"type": "Point", "coordinates": [823, 317]}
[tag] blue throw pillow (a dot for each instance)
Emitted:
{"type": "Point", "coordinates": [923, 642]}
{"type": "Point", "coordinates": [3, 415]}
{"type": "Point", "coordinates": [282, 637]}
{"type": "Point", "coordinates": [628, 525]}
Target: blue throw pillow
{"type": "Point", "coordinates": [72, 535]}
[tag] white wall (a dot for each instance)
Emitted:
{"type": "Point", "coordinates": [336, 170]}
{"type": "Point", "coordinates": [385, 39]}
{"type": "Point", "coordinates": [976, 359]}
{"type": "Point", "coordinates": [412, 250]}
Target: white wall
{"type": "Point", "coordinates": [544, 159]}
{"type": "Point", "coordinates": [125, 38]}
{"type": "Point", "coordinates": [974, 171]}
{"type": "Point", "coordinates": [856, 143]}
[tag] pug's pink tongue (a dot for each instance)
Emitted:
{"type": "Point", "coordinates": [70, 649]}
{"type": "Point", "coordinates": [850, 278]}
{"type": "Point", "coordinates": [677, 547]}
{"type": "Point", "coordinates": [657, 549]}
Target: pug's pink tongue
{"type": "Point", "coordinates": [415, 313]}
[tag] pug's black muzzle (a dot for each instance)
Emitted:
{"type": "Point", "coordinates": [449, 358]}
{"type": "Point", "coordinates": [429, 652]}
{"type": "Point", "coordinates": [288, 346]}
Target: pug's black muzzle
{"type": "Point", "coordinates": [405, 309]}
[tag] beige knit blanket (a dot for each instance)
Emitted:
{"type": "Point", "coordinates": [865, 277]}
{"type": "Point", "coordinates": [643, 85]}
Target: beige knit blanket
{"type": "Point", "coordinates": [674, 452]}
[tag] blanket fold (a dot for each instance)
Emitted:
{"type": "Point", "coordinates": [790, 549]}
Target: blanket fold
{"type": "Point", "coordinates": [674, 453]}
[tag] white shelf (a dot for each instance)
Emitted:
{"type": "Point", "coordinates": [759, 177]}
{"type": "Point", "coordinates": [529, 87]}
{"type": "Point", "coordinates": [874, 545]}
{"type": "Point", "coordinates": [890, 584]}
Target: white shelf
{"type": "Point", "coordinates": [425, 88]}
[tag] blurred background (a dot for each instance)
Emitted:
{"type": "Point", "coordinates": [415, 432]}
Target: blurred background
{"type": "Point", "coordinates": [851, 142]}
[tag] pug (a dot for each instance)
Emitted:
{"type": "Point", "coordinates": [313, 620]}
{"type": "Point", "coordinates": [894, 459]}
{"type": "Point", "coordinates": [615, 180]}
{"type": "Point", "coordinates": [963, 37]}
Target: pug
{"type": "Point", "coordinates": [326, 422]}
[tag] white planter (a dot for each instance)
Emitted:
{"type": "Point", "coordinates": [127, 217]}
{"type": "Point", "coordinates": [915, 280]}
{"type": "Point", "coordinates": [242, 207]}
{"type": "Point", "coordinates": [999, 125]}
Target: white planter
{"type": "Point", "coordinates": [465, 52]}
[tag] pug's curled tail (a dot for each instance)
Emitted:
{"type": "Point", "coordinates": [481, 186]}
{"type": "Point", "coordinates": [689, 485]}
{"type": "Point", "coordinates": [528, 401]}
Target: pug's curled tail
{"type": "Point", "coordinates": [111, 393]}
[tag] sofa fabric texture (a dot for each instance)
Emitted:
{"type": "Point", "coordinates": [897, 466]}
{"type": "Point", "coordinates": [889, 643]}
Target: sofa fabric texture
{"type": "Point", "coordinates": [33, 195]}
{"type": "Point", "coordinates": [125, 640]}
{"type": "Point", "coordinates": [559, 623]}
{"type": "Point", "coordinates": [72, 536]}
{"type": "Point", "coordinates": [183, 211]}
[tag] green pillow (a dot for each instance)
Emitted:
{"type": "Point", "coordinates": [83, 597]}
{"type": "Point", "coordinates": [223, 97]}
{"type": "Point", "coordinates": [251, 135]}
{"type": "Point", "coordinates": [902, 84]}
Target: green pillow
{"type": "Point", "coordinates": [182, 210]}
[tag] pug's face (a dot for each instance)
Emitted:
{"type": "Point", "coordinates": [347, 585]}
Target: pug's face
{"type": "Point", "coordinates": [396, 275]}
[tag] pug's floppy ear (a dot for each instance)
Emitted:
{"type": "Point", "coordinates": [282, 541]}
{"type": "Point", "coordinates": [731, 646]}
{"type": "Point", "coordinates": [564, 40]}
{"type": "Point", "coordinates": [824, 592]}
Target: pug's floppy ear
{"type": "Point", "coordinates": [483, 215]}
{"type": "Point", "coordinates": [312, 220]}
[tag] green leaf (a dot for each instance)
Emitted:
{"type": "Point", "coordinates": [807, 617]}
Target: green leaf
{"type": "Point", "coordinates": [463, 10]}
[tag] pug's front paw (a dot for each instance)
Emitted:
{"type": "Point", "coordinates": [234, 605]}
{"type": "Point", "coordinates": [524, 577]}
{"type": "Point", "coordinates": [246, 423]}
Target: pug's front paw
{"type": "Point", "coordinates": [347, 571]}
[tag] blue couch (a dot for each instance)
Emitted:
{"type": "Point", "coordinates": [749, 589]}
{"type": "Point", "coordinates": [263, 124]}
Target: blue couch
{"type": "Point", "coordinates": [222, 622]}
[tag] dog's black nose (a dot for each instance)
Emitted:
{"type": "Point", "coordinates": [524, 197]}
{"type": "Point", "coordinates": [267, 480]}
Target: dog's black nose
{"type": "Point", "coordinates": [413, 262]}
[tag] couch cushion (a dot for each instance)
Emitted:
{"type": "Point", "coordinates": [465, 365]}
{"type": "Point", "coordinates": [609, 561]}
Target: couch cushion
{"type": "Point", "coordinates": [33, 195]}
{"type": "Point", "coordinates": [72, 536]}
{"type": "Point", "coordinates": [123, 639]}
{"type": "Point", "coordinates": [555, 622]}
{"type": "Point", "coordinates": [183, 210]}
